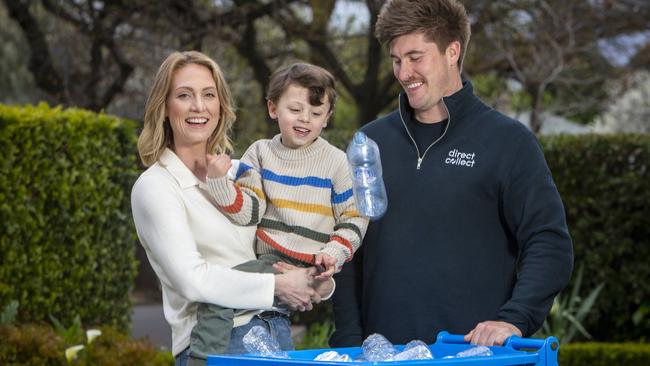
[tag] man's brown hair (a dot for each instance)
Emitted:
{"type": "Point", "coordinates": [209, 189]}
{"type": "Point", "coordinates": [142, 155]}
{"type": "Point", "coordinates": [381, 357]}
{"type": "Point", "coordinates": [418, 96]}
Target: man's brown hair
{"type": "Point", "coordinates": [319, 81]}
{"type": "Point", "coordinates": [441, 22]}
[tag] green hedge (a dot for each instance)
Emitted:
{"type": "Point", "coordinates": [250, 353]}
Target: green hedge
{"type": "Point", "coordinates": [40, 345]}
{"type": "Point", "coordinates": [66, 238]}
{"type": "Point", "coordinates": [604, 181]}
{"type": "Point", "coordinates": [604, 354]}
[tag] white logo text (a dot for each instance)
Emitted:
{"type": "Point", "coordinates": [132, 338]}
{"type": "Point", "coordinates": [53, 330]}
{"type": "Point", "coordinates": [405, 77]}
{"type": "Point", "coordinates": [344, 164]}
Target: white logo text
{"type": "Point", "coordinates": [456, 157]}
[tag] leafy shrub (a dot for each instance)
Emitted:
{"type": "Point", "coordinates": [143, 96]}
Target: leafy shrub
{"type": "Point", "coordinates": [66, 239]}
{"type": "Point", "coordinates": [569, 310]}
{"type": "Point", "coordinates": [35, 344]}
{"type": "Point", "coordinates": [604, 181]}
{"type": "Point", "coordinates": [9, 312]}
{"type": "Point", "coordinates": [317, 336]}
{"type": "Point", "coordinates": [604, 354]}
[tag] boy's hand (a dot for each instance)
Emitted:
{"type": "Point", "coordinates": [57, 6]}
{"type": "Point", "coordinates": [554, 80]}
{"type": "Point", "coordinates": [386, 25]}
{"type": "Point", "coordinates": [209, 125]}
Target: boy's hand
{"type": "Point", "coordinates": [326, 265]}
{"type": "Point", "coordinates": [218, 165]}
{"type": "Point", "coordinates": [323, 288]}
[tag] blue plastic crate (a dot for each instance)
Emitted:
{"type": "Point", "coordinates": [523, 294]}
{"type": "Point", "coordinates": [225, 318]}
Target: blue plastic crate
{"type": "Point", "coordinates": [516, 351]}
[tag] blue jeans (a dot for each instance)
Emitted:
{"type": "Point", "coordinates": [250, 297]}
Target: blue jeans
{"type": "Point", "coordinates": [182, 358]}
{"type": "Point", "coordinates": [278, 326]}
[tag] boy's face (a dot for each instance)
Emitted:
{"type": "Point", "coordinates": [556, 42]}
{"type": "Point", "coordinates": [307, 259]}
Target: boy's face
{"type": "Point", "coordinates": [300, 122]}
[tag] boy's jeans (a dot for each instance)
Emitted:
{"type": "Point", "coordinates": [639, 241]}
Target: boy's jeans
{"type": "Point", "coordinates": [278, 326]}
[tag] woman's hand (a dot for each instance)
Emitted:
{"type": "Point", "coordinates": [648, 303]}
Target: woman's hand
{"type": "Point", "coordinates": [322, 288]}
{"type": "Point", "coordinates": [294, 288]}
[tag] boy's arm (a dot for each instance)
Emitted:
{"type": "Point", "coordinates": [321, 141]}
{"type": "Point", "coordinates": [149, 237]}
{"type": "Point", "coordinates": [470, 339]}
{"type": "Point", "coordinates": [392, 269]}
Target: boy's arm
{"type": "Point", "coordinates": [350, 226]}
{"type": "Point", "coordinates": [243, 199]}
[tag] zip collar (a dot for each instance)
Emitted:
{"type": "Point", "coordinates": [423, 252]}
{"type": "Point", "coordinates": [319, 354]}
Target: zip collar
{"type": "Point", "coordinates": [454, 106]}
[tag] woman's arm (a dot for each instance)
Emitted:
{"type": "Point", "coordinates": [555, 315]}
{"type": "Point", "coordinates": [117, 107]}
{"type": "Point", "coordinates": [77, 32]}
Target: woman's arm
{"type": "Point", "coordinates": [162, 225]}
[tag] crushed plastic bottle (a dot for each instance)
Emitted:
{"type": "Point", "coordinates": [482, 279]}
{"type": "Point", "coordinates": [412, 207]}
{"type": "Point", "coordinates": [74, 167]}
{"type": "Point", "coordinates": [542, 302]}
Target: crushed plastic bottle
{"type": "Point", "coordinates": [414, 350]}
{"type": "Point", "coordinates": [475, 352]}
{"type": "Point", "coordinates": [333, 356]}
{"type": "Point", "coordinates": [259, 342]}
{"type": "Point", "coordinates": [367, 182]}
{"type": "Point", "coordinates": [377, 348]}
{"type": "Point", "coordinates": [414, 343]}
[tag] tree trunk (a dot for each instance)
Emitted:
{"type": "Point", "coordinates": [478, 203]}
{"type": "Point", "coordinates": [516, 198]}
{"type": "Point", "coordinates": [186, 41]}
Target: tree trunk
{"type": "Point", "coordinates": [40, 63]}
{"type": "Point", "coordinates": [535, 109]}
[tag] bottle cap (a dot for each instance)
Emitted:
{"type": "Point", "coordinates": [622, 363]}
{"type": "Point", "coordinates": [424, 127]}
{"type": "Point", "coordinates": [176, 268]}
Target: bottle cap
{"type": "Point", "coordinates": [359, 138]}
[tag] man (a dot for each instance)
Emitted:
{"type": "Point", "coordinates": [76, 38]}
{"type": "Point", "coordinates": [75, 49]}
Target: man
{"type": "Point", "coordinates": [475, 240]}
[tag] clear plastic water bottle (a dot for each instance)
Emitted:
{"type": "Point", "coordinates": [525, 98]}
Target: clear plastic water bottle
{"type": "Point", "coordinates": [333, 356]}
{"type": "Point", "coordinates": [414, 350]}
{"type": "Point", "coordinates": [475, 352]}
{"type": "Point", "coordinates": [367, 181]}
{"type": "Point", "coordinates": [377, 348]}
{"type": "Point", "coordinates": [259, 342]}
{"type": "Point", "coordinates": [418, 352]}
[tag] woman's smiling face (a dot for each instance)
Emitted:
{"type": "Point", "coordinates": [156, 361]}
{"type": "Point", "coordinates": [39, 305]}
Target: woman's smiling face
{"type": "Point", "coordinates": [192, 105]}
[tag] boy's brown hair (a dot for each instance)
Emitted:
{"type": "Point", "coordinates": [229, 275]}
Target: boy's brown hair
{"type": "Point", "coordinates": [441, 21]}
{"type": "Point", "coordinates": [319, 81]}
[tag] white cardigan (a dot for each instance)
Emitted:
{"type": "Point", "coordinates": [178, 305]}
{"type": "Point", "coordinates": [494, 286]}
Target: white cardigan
{"type": "Point", "coordinates": [191, 247]}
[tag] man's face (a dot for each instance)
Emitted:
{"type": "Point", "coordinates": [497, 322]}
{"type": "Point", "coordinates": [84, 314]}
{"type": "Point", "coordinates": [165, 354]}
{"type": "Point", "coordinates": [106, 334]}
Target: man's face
{"type": "Point", "coordinates": [425, 73]}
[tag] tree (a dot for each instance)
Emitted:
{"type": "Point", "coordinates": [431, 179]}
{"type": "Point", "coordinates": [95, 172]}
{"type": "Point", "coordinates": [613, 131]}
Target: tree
{"type": "Point", "coordinates": [553, 49]}
{"type": "Point", "coordinates": [105, 70]}
{"type": "Point", "coordinates": [95, 54]}
{"type": "Point", "coordinates": [16, 82]}
{"type": "Point", "coordinates": [97, 45]}
{"type": "Point", "coordinates": [630, 110]}
{"type": "Point", "coordinates": [547, 45]}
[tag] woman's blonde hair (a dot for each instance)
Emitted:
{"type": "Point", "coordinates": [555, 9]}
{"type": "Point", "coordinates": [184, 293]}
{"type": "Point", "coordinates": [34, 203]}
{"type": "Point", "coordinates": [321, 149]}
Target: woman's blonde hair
{"type": "Point", "coordinates": [157, 133]}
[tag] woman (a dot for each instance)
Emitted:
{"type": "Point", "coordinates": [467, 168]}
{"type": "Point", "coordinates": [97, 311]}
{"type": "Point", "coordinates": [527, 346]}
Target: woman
{"type": "Point", "coordinates": [190, 244]}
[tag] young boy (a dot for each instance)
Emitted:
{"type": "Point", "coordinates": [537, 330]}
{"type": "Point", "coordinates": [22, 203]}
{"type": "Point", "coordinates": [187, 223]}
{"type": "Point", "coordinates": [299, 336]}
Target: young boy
{"type": "Point", "coordinates": [295, 187]}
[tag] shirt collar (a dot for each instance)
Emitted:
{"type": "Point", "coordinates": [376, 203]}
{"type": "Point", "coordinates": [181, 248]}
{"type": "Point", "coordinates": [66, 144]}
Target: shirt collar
{"type": "Point", "coordinates": [185, 178]}
{"type": "Point", "coordinates": [457, 104]}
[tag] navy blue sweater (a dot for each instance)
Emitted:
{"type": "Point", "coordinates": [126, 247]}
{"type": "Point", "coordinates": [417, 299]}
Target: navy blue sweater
{"type": "Point", "coordinates": [476, 232]}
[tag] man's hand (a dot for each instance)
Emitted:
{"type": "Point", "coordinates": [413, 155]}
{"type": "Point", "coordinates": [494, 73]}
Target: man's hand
{"type": "Point", "coordinates": [491, 333]}
{"type": "Point", "coordinates": [218, 165]}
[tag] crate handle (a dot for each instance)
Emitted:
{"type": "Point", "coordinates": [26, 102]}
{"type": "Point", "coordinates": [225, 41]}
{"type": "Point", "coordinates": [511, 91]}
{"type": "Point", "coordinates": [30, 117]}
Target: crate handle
{"type": "Point", "coordinates": [513, 342]}
{"type": "Point", "coordinates": [445, 337]}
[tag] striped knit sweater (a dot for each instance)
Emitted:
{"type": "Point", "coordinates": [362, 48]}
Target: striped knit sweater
{"type": "Point", "coordinates": [301, 200]}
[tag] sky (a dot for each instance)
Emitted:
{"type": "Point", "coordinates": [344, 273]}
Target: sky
{"type": "Point", "coordinates": [621, 49]}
